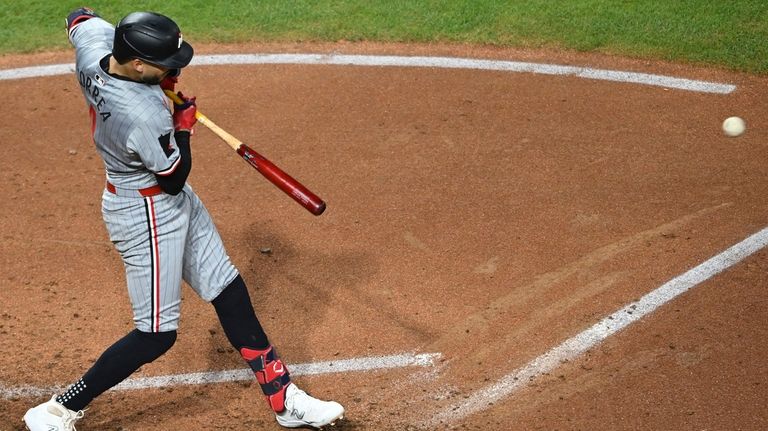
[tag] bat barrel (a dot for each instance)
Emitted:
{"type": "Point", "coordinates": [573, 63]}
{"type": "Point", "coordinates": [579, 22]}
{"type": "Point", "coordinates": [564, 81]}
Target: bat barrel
{"type": "Point", "coordinates": [283, 181]}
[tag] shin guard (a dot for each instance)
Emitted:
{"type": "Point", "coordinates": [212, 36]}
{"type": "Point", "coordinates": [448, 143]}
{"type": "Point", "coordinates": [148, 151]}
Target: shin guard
{"type": "Point", "coordinates": [271, 374]}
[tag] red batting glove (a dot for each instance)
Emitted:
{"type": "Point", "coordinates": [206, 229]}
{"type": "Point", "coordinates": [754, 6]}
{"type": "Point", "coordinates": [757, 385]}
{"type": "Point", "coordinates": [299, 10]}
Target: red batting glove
{"type": "Point", "coordinates": [184, 114]}
{"type": "Point", "coordinates": [169, 83]}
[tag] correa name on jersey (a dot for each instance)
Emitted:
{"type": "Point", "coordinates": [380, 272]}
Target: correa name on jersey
{"type": "Point", "coordinates": [93, 90]}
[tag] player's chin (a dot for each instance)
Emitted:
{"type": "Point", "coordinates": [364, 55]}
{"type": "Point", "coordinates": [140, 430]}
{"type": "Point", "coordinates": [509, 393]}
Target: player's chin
{"type": "Point", "coordinates": [153, 80]}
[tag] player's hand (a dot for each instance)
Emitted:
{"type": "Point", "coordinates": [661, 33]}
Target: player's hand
{"type": "Point", "coordinates": [170, 81]}
{"type": "Point", "coordinates": [78, 16]}
{"type": "Point", "coordinates": [184, 114]}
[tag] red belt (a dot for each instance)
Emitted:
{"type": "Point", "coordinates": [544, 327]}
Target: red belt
{"type": "Point", "coordinates": [149, 191]}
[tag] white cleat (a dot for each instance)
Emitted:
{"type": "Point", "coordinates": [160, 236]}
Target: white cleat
{"type": "Point", "coordinates": [302, 410]}
{"type": "Point", "coordinates": [51, 416]}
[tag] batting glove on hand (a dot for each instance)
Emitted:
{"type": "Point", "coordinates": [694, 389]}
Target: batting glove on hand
{"type": "Point", "coordinates": [170, 81]}
{"type": "Point", "coordinates": [184, 114]}
{"type": "Point", "coordinates": [79, 15]}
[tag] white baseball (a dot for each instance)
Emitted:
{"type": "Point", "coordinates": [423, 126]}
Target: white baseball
{"type": "Point", "coordinates": [734, 126]}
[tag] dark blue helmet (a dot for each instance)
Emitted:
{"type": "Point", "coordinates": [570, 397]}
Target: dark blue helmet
{"type": "Point", "coordinates": [153, 38]}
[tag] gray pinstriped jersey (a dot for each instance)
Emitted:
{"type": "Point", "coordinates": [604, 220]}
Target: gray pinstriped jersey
{"type": "Point", "coordinates": [162, 238]}
{"type": "Point", "coordinates": [132, 125]}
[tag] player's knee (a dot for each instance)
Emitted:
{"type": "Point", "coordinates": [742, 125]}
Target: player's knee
{"type": "Point", "coordinates": [155, 344]}
{"type": "Point", "coordinates": [234, 296]}
{"type": "Point", "coordinates": [239, 321]}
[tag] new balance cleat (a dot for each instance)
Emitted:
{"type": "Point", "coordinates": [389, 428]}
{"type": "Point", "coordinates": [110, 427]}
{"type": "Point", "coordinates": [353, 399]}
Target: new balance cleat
{"type": "Point", "coordinates": [302, 410]}
{"type": "Point", "coordinates": [51, 416]}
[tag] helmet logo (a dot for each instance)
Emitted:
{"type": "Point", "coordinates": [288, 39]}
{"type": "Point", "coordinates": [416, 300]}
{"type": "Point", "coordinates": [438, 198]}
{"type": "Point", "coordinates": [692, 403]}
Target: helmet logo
{"type": "Point", "coordinates": [180, 39]}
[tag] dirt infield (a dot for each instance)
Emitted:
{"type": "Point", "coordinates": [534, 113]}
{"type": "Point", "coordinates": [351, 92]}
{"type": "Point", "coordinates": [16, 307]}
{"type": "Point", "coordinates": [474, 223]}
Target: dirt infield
{"type": "Point", "coordinates": [485, 216]}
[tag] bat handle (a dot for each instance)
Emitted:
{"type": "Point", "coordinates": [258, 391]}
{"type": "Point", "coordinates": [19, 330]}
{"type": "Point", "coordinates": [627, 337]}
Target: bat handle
{"type": "Point", "coordinates": [173, 96]}
{"type": "Point", "coordinates": [179, 101]}
{"type": "Point", "coordinates": [205, 121]}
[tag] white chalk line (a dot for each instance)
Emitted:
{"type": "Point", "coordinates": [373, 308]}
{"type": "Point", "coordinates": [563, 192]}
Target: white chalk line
{"type": "Point", "coordinates": [371, 363]}
{"type": "Point", "coordinates": [402, 61]}
{"type": "Point", "coordinates": [578, 344]}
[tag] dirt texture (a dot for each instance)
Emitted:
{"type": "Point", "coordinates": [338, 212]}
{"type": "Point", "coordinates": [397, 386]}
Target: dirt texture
{"type": "Point", "coordinates": [486, 216]}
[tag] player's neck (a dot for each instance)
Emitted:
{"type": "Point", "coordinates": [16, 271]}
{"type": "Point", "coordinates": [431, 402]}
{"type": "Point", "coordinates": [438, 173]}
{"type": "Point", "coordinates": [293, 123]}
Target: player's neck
{"type": "Point", "coordinates": [125, 70]}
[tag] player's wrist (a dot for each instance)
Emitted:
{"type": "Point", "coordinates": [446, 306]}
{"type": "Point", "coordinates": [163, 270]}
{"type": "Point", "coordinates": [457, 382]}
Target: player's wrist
{"type": "Point", "coordinates": [183, 134]}
{"type": "Point", "coordinates": [78, 16]}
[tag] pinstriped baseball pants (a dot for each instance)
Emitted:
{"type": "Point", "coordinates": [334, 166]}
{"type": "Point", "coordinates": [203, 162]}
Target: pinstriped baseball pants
{"type": "Point", "coordinates": [163, 239]}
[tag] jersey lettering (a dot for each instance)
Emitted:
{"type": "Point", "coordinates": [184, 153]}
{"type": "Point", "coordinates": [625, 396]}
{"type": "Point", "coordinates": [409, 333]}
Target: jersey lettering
{"type": "Point", "coordinates": [87, 83]}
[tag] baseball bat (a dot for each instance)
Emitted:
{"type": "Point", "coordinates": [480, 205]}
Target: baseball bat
{"type": "Point", "coordinates": [269, 170]}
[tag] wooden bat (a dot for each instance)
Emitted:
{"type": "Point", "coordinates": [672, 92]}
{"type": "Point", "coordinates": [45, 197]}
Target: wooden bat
{"type": "Point", "coordinates": [275, 175]}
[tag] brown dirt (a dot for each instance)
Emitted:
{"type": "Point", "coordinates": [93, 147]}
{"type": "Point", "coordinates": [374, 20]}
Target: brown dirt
{"type": "Point", "coordinates": [484, 215]}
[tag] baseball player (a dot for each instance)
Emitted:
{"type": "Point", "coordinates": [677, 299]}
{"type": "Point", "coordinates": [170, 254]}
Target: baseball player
{"type": "Point", "coordinates": [159, 226]}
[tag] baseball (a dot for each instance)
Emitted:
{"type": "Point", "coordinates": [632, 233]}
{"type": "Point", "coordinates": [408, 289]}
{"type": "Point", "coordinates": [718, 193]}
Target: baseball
{"type": "Point", "coordinates": [734, 126]}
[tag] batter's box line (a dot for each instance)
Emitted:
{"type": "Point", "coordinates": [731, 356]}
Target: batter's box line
{"type": "Point", "coordinates": [370, 363]}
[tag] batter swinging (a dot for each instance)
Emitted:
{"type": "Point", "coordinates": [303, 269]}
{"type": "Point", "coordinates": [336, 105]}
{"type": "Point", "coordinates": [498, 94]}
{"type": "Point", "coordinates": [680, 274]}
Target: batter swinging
{"type": "Point", "coordinates": [159, 226]}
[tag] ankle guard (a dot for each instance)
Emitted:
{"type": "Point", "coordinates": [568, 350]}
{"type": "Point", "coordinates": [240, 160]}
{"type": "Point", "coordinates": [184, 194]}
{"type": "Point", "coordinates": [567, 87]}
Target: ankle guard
{"type": "Point", "coordinates": [271, 374]}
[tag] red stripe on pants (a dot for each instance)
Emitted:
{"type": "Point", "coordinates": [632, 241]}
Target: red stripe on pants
{"type": "Point", "coordinates": [155, 249]}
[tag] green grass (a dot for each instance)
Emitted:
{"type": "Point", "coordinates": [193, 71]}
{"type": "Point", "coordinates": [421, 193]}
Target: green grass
{"type": "Point", "coordinates": [727, 33]}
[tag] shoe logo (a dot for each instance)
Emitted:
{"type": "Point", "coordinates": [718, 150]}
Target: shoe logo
{"type": "Point", "coordinates": [52, 428]}
{"type": "Point", "coordinates": [298, 414]}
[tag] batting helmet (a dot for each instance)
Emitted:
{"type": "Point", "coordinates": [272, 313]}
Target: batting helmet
{"type": "Point", "coordinates": [153, 38]}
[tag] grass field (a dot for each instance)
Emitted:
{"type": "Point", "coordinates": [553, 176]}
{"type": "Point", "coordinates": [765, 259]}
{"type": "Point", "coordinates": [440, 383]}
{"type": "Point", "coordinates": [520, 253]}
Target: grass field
{"type": "Point", "coordinates": [731, 34]}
